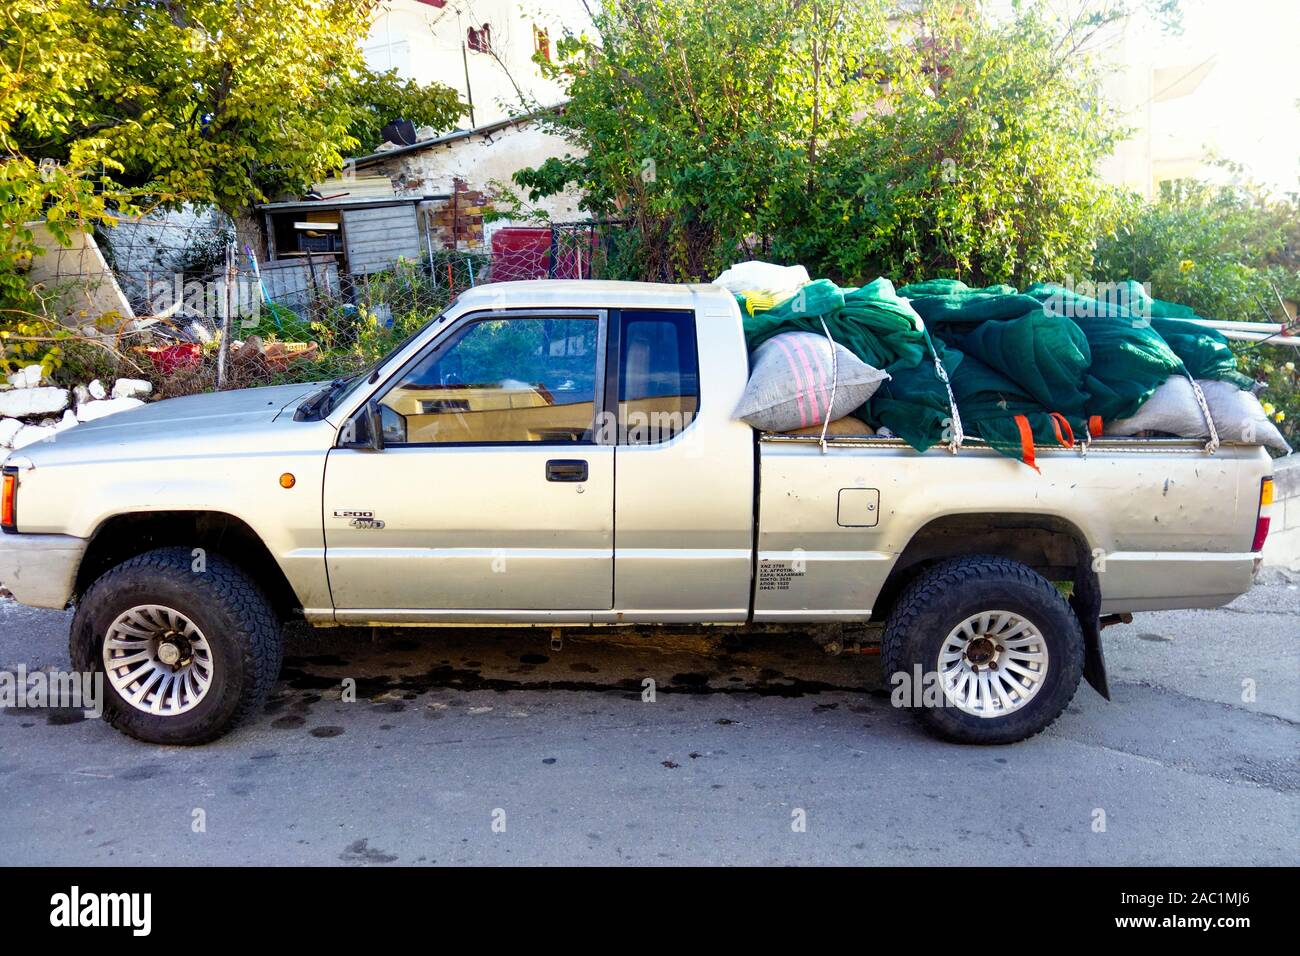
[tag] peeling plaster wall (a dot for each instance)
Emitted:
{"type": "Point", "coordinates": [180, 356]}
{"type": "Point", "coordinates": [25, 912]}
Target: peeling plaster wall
{"type": "Point", "coordinates": [478, 161]}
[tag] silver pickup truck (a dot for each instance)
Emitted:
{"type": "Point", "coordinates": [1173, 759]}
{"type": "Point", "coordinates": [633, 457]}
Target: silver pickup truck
{"type": "Point", "coordinates": [561, 454]}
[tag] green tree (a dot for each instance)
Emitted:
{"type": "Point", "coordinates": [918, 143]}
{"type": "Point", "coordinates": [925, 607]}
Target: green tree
{"type": "Point", "coordinates": [380, 98]}
{"type": "Point", "coordinates": [222, 102]}
{"type": "Point", "coordinates": [1230, 251]}
{"type": "Point", "coordinates": [694, 120]}
{"type": "Point", "coordinates": [978, 160]}
{"type": "Point", "coordinates": [227, 102]}
{"type": "Point", "coordinates": [48, 67]}
{"type": "Point", "coordinates": [849, 136]}
{"type": "Point", "coordinates": [112, 106]}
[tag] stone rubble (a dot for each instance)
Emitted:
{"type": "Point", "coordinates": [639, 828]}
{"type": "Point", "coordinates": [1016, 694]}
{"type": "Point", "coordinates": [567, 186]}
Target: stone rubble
{"type": "Point", "coordinates": [27, 377]}
{"type": "Point", "coordinates": [20, 402]}
{"type": "Point", "coordinates": [131, 388]}
{"type": "Point", "coordinates": [32, 412]}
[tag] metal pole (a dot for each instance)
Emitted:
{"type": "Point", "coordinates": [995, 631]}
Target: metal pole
{"type": "Point", "coordinates": [227, 312]}
{"type": "Point", "coordinates": [464, 56]}
{"type": "Point", "coordinates": [315, 291]}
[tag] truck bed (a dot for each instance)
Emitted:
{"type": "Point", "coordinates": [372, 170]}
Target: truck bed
{"type": "Point", "coordinates": [1166, 524]}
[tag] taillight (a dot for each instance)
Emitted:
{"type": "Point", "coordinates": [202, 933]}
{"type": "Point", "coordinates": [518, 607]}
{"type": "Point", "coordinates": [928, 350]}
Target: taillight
{"type": "Point", "coordinates": [9, 501]}
{"type": "Point", "coordinates": [1261, 522]}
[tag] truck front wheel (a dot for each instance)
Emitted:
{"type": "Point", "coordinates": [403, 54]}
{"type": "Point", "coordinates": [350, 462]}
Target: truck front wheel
{"type": "Point", "coordinates": [188, 647]}
{"type": "Point", "coordinates": [983, 650]}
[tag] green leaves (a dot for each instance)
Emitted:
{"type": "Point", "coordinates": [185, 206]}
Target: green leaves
{"type": "Point", "coordinates": [1228, 251]}
{"type": "Point", "coordinates": [223, 102]}
{"type": "Point", "coordinates": [380, 98]}
{"type": "Point", "coordinates": [690, 119]}
{"type": "Point", "coordinates": [843, 135]}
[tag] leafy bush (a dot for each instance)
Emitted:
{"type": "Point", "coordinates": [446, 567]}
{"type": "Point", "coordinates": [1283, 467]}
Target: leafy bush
{"type": "Point", "coordinates": [1229, 252]}
{"type": "Point", "coordinates": [1221, 249]}
{"type": "Point", "coordinates": [860, 139]}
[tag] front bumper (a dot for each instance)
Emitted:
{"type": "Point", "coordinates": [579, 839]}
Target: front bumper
{"type": "Point", "coordinates": [40, 569]}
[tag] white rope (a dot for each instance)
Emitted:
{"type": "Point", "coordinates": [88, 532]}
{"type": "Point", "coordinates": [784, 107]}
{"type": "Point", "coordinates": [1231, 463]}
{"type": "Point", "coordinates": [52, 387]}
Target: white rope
{"type": "Point", "coordinates": [1213, 444]}
{"type": "Point", "coordinates": [958, 436]}
{"type": "Point", "coordinates": [835, 380]}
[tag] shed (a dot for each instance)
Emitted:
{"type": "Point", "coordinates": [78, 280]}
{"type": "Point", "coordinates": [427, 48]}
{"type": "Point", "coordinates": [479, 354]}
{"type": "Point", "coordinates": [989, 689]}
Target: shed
{"type": "Point", "coordinates": [354, 235]}
{"type": "Point", "coordinates": [467, 163]}
{"type": "Point", "coordinates": [374, 238]}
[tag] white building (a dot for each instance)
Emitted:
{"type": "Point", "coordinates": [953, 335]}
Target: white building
{"type": "Point", "coordinates": [1226, 87]}
{"type": "Point", "coordinates": [483, 49]}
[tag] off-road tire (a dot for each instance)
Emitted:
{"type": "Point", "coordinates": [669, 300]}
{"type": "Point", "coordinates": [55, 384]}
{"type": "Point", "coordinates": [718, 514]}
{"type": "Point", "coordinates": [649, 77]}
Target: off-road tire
{"type": "Point", "coordinates": [948, 593]}
{"type": "Point", "coordinates": [226, 605]}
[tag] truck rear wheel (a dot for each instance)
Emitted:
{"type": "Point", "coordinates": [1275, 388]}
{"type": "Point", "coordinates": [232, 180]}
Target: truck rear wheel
{"type": "Point", "coordinates": [186, 652]}
{"type": "Point", "coordinates": [983, 650]}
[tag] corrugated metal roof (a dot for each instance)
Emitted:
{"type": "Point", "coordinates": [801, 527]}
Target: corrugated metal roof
{"type": "Point", "coordinates": [303, 205]}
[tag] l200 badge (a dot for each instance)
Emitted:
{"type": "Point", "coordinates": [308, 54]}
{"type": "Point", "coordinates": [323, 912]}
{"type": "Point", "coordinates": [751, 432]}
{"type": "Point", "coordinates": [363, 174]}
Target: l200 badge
{"type": "Point", "coordinates": [361, 520]}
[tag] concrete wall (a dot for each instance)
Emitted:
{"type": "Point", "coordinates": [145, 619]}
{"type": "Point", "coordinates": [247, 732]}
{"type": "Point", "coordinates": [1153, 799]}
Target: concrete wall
{"type": "Point", "coordinates": [84, 287]}
{"type": "Point", "coordinates": [1282, 549]}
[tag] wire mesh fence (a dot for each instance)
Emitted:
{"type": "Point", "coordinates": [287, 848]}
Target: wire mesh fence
{"type": "Point", "coordinates": [192, 309]}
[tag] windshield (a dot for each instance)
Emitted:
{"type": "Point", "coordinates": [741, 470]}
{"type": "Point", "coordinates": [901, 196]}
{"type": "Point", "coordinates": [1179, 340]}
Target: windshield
{"type": "Point", "coordinates": [337, 392]}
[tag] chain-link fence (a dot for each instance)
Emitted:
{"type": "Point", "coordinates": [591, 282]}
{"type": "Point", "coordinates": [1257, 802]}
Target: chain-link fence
{"type": "Point", "coordinates": [179, 301]}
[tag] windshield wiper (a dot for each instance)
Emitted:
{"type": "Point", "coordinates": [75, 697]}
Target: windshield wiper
{"type": "Point", "coordinates": [311, 407]}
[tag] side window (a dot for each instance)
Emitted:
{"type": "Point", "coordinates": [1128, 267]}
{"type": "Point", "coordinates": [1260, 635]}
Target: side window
{"type": "Point", "coordinates": [500, 380]}
{"type": "Point", "coordinates": [658, 375]}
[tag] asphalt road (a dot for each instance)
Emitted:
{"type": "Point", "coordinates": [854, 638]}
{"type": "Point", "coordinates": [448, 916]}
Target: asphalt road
{"type": "Point", "coordinates": [468, 747]}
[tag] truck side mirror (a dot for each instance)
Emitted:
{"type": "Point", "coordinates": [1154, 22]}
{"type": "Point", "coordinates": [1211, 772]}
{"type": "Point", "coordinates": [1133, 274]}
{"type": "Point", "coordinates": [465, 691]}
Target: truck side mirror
{"type": "Point", "coordinates": [370, 419]}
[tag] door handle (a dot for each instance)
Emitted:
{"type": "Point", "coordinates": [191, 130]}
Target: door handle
{"type": "Point", "coordinates": [566, 469]}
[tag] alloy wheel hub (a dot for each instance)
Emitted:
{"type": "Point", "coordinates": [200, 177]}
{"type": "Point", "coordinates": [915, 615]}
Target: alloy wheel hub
{"type": "Point", "coordinates": [981, 651]}
{"type": "Point", "coordinates": [992, 663]}
{"type": "Point", "coordinates": [158, 660]}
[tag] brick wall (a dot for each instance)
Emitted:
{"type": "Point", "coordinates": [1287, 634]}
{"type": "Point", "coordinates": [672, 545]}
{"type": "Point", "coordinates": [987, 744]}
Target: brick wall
{"type": "Point", "coordinates": [457, 223]}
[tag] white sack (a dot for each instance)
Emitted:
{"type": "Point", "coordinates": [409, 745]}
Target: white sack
{"type": "Point", "coordinates": [790, 383]}
{"type": "Point", "coordinates": [754, 276]}
{"type": "Point", "coordinates": [1238, 416]}
{"type": "Point", "coordinates": [1172, 408]}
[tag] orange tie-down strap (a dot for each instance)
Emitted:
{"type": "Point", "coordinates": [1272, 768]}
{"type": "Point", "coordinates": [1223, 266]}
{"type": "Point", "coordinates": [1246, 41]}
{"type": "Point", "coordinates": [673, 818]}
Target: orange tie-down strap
{"type": "Point", "coordinates": [1059, 422]}
{"type": "Point", "coordinates": [1026, 442]}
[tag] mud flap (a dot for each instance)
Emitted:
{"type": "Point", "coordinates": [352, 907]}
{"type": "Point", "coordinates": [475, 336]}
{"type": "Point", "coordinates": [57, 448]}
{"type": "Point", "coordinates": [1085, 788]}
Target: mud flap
{"type": "Point", "coordinates": [1086, 602]}
{"type": "Point", "coordinates": [1094, 659]}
